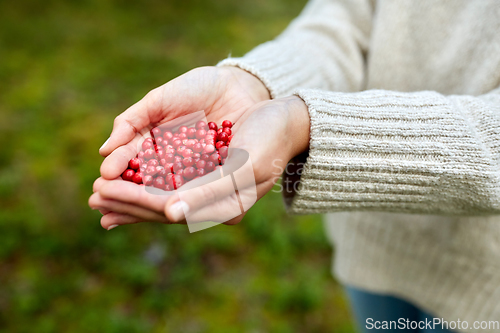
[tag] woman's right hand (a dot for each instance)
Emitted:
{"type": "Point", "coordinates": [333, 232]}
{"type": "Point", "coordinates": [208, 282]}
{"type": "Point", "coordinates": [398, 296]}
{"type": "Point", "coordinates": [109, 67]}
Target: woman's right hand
{"type": "Point", "coordinates": [222, 92]}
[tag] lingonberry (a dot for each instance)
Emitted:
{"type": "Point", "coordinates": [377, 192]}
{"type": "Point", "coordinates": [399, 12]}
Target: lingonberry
{"type": "Point", "coordinates": [188, 161]}
{"type": "Point", "coordinates": [128, 174]}
{"type": "Point", "coordinates": [147, 144]}
{"type": "Point", "coordinates": [153, 162]}
{"type": "Point", "coordinates": [140, 154]}
{"type": "Point", "coordinates": [201, 125]}
{"type": "Point", "coordinates": [183, 136]}
{"type": "Point", "coordinates": [149, 154]}
{"type": "Point", "coordinates": [134, 163]}
{"type": "Point", "coordinates": [177, 166]}
{"type": "Point", "coordinates": [147, 180]}
{"type": "Point", "coordinates": [155, 132]}
{"type": "Point", "coordinates": [181, 149]}
{"type": "Point", "coordinates": [200, 134]}
{"type": "Point", "coordinates": [201, 164]}
{"type": "Point", "coordinates": [220, 144]}
{"type": "Point", "coordinates": [159, 140]}
{"type": "Point", "coordinates": [200, 172]}
{"type": "Point", "coordinates": [210, 166]}
{"type": "Point", "coordinates": [227, 130]}
{"type": "Point", "coordinates": [223, 151]}
{"type": "Point", "coordinates": [169, 157]}
{"type": "Point", "coordinates": [219, 131]}
{"type": "Point", "coordinates": [187, 153]}
{"type": "Point", "coordinates": [223, 137]}
{"type": "Point", "coordinates": [212, 125]}
{"type": "Point", "coordinates": [159, 182]}
{"type": "Point", "coordinates": [209, 149]}
{"type": "Point", "coordinates": [197, 147]}
{"type": "Point", "coordinates": [215, 157]}
{"type": "Point", "coordinates": [191, 132]}
{"type": "Point", "coordinates": [196, 155]}
{"type": "Point", "coordinates": [167, 187]}
{"type": "Point", "coordinates": [205, 156]}
{"type": "Point", "coordinates": [189, 172]}
{"type": "Point", "coordinates": [182, 129]}
{"type": "Point", "coordinates": [178, 158]}
{"type": "Point", "coordinates": [167, 136]}
{"type": "Point", "coordinates": [223, 161]}
{"type": "Point", "coordinates": [151, 170]}
{"type": "Point", "coordinates": [169, 167]}
{"type": "Point", "coordinates": [137, 178]}
{"type": "Point", "coordinates": [143, 167]}
{"type": "Point", "coordinates": [227, 123]}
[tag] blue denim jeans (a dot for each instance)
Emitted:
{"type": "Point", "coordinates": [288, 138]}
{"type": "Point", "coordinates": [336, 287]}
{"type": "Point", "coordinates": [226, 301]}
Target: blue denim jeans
{"type": "Point", "coordinates": [372, 310]}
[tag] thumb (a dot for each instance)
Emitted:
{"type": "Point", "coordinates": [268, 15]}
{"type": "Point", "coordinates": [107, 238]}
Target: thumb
{"type": "Point", "coordinates": [134, 120]}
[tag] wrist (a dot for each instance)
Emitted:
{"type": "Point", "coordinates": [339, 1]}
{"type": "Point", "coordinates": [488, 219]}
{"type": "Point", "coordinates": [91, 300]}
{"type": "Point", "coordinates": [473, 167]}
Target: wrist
{"type": "Point", "coordinates": [298, 125]}
{"type": "Point", "coordinates": [257, 88]}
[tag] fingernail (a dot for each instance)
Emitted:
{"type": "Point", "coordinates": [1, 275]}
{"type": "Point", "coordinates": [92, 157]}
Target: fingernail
{"type": "Point", "coordinates": [112, 226]}
{"type": "Point", "coordinates": [104, 144]}
{"type": "Point", "coordinates": [178, 210]}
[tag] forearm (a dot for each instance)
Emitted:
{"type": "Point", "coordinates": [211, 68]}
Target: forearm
{"type": "Point", "coordinates": [402, 152]}
{"type": "Point", "coordinates": [322, 48]}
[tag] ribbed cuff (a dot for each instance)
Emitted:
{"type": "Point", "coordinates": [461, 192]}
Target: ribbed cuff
{"type": "Point", "coordinates": [388, 151]}
{"type": "Point", "coordinates": [281, 69]}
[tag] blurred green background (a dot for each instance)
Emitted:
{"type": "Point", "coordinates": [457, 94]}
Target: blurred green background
{"type": "Point", "coordinates": [67, 68]}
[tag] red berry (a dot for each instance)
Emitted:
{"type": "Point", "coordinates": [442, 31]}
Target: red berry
{"type": "Point", "coordinates": [205, 157]}
{"type": "Point", "coordinates": [223, 137]}
{"type": "Point", "coordinates": [183, 136]}
{"type": "Point", "coordinates": [134, 163]}
{"type": "Point", "coordinates": [169, 150]}
{"type": "Point", "coordinates": [149, 154]}
{"type": "Point", "coordinates": [210, 140]}
{"type": "Point", "coordinates": [169, 157]}
{"type": "Point", "coordinates": [153, 162]}
{"type": "Point", "coordinates": [155, 132]}
{"type": "Point", "coordinates": [167, 136]}
{"type": "Point", "coordinates": [209, 149]}
{"type": "Point", "coordinates": [182, 129]}
{"type": "Point", "coordinates": [230, 138]}
{"type": "Point", "coordinates": [191, 132]}
{"type": "Point", "coordinates": [175, 181]}
{"type": "Point", "coordinates": [215, 157]}
{"type": "Point", "coordinates": [223, 161]}
{"type": "Point", "coordinates": [147, 180]}
{"type": "Point", "coordinates": [169, 167]}
{"type": "Point", "coordinates": [137, 178]}
{"type": "Point", "coordinates": [163, 172]}
{"type": "Point", "coordinates": [143, 167]}
{"type": "Point", "coordinates": [128, 175]}
{"type": "Point", "coordinates": [177, 158]}
{"type": "Point", "coordinates": [200, 134]}
{"type": "Point", "coordinates": [200, 172]}
{"type": "Point", "coordinates": [147, 145]}
{"type": "Point", "coordinates": [188, 161]}
{"type": "Point", "coordinates": [168, 187]}
{"type": "Point", "coordinates": [212, 133]}
{"type": "Point", "coordinates": [197, 147]}
{"type": "Point", "coordinates": [212, 125]}
{"type": "Point", "coordinates": [180, 149]}
{"type": "Point", "coordinates": [151, 170]}
{"type": "Point", "coordinates": [177, 166]}
{"type": "Point", "coordinates": [223, 151]}
{"type": "Point", "coordinates": [140, 154]}
{"type": "Point", "coordinates": [201, 125]}
{"type": "Point", "coordinates": [159, 182]}
{"type": "Point", "coordinates": [227, 123]}
{"type": "Point", "coordinates": [189, 172]}
{"type": "Point", "coordinates": [219, 131]}
{"type": "Point", "coordinates": [210, 166]}
{"type": "Point", "coordinates": [227, 130]}
{"type": "Point", "coordinates": [220, 144]}
{"type": "Point", "coordinates": [201, 164]}
{"type": "Point", "coordinates": [159, 140]}
{"type": "Point", "coordinates": [187, 153]}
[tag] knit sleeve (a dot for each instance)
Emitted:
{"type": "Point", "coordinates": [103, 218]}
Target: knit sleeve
{"type": "Point", "coordinates": [418, 152]}
{"type": "Point", "coordinates": [323, 48]}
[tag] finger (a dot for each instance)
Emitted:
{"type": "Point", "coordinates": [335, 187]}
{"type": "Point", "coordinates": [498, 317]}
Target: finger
{"type": "Point", "coordinates": [132, 193]}
{"type": "Point", "coordinates": [116, 162]}
{"type": "Point", "coordinates": [125, 208]}
{"type": "Point", "coordinates": [101, 181]}
{"type": "Point", "coordinates": [112, 220]}
{"type": "Point", "coordinates": [137, 117]}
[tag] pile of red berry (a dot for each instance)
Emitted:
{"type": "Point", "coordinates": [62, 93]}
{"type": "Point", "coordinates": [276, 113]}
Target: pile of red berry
{"type": "Point", "coordinates": [170, 159]}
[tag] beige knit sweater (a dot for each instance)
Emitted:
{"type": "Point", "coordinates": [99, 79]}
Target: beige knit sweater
{"type": "Point", "coordinates": [404, 100]}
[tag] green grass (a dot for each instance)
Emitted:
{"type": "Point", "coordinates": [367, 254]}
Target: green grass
{"type": "Point", "coordinates": [67, 68]}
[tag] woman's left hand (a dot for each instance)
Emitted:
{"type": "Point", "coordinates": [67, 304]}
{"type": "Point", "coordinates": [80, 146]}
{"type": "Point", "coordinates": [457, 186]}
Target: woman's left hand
{"type": "Point", "coordinates": [272, 132]}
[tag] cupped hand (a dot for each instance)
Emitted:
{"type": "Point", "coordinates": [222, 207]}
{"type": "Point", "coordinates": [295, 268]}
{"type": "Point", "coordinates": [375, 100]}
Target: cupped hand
{"type": "Point", "coordinates": [222, 92]}
{"type": "Point", "coordinates": [271, 132]}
